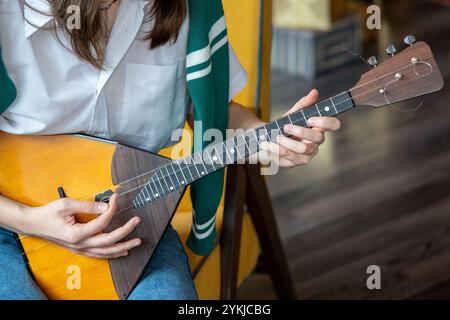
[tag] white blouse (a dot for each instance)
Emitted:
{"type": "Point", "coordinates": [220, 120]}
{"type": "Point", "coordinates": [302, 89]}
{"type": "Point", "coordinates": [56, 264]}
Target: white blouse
{"type": "Point", "coordinates": [139, 98]}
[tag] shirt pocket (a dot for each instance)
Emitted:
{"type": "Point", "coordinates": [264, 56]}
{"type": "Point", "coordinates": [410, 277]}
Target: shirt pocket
{"type": "Point", "coordinates": [154, 102]}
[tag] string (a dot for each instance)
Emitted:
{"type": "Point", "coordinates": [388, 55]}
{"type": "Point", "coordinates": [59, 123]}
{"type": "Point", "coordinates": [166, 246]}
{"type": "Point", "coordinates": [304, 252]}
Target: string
{"type": "Point", "coordinates": [419, 105]}
{"type": "Point", "coordinates": [355, 54]}
{"type": "Point", "coordinates": [158, 180]}
{"type": "Point", "coordinates": [239, 145]}
{"type": "Point", "coordinates": [188, 166]}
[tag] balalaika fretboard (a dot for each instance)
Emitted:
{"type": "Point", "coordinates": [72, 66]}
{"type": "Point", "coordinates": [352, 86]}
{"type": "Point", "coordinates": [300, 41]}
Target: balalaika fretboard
{"type": "Point", "coordinates": [178, 174]}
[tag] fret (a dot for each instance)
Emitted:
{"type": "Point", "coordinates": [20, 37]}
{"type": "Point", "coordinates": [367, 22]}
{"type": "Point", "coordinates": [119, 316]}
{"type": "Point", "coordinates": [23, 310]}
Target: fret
{"type": "Point", "coordinates": [157, 184]}
{"type": "Point", "coordinates": [334, 106]}
{"type": "Point", "coordinates": [257, 138]}
{"type": "Point", "coordinates": [222, 152]}
{"type": "Point", "coordinates": [136, 203]}
{"type": "Point", "coordinates": [278, 126]}
{"type": "Point", "coordinates": [235, 148]}
{"type": "Point", "coordinates": [211, 161]}
{"type": "Point", "coordinates": [217, 156]}
{"type": "Point", "coordinates": [140, 199]}
{"type": "Point", "coordinates": [163, 178]}
{"type": "Point", "coordinates": [163, 190]}
{"type": "Point", "coordinates": [247, 145]}
{"type": "Point", "coordinates": [231, 149]}
{"type": "Point", "coordinates": [310, 112]}
{"type": "Point", "coordinates": [282, 122]}
{"type": "Point", "coordinates": [189, 168]}
{"type": "Point", "coordinates": [244, 140]}
{"type": "Point", "coordinates": [326, 108]}
{"type": "Point", "coordinates": [151, 189]}
{"type": "Point", "coordinates": [306, 119]}
{"type": "Point", "coordinates": [299, 119]}
{"type": "Point", "coordinates": [146, 193]}
{"type": "Point", "coordinates": [207, 161]}
{"type": "Point", "coordinates": [343, 102]}
{"type": "Point", "coordinates": [318, 110]}
{"type": "Point", "coordinates": [262, 134]}
{"type": "Point", "coordinates": [267, 133]}
{"type": "Point", "coordinates": [186, 173]}
{"type": "Point", "coordinates": [228, 159]}
{"type": "Point", "coordinates": [289, 117]}
{"type": "Point", "coordinates": [143, 197]}
{"type": "Point", "coordinates": [192, 164]}
{"type": "Point", "coordinates": [200, 164]}
{"type": "Point", "coordinates": [172, 186]}
{"type": "Point", "coordinates": [155, 194]}
{"type": "Point", "coordinates": [252, 143]}
{"type": "Point", "coordinates": [241, 146]}
{"type": "Point", "coordinates": [183, 180]}
{"type": "Point", "coordinates": [272, 129]}
{"type": "Point", "coordinates": [175, 174]}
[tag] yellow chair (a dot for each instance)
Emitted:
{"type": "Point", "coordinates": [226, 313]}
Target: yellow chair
{"type": "Point", "coordinates": [236, 254]}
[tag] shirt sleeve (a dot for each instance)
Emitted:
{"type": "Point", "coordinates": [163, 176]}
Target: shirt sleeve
{"type": "Point", "coordinates": [238, 75]}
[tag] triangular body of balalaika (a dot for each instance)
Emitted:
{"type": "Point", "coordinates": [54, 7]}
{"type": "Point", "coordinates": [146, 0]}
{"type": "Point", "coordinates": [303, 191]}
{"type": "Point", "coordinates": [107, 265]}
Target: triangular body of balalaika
{"type": "Point", "coordinates": [32, 168]}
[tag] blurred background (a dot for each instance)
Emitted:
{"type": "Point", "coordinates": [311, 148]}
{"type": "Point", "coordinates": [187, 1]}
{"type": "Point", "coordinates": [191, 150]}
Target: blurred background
{"type": "Point", "coordinates": [379, 191]}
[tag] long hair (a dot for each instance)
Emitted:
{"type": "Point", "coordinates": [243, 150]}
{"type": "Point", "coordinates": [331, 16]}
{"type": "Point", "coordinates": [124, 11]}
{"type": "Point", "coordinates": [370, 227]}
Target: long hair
{"type": "Point", "coordinates": [88, 42]}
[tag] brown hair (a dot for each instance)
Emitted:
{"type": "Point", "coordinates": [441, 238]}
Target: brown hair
{"type": "Point", "coordinates": [88, 42]}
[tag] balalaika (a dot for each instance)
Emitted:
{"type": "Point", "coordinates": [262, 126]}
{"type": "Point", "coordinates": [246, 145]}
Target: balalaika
{"type": "Point", "coordinates": [32, 168]}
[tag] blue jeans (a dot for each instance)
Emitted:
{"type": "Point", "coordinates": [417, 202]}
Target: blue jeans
{"type": "Point", "coordinates": [166, 277]}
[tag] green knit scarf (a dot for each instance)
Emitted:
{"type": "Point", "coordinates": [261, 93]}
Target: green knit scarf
{"type": "Point", "coordinates": [207, 71]}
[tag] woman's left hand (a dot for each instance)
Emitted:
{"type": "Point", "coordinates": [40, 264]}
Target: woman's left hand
{"type": "Point", "coordinates": [303, 143]}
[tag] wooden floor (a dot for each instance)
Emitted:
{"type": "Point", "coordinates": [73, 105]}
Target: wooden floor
{"type": "Point", "coordinates": [379, 192]}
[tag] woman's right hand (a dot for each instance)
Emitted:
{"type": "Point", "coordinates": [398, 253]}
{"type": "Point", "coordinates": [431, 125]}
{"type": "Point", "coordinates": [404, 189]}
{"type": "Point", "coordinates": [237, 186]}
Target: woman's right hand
{"type": "Point", "coordinates": [56, 222]}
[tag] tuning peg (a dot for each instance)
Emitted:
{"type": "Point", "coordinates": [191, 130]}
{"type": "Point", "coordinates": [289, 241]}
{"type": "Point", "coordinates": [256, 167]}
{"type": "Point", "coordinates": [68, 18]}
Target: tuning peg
{"type": "Point", "coordinates": [410, 40]}
{"type": "Point", "coordinates": [372, 61]}
{"type": "Point", "coordinates": [391, 50]}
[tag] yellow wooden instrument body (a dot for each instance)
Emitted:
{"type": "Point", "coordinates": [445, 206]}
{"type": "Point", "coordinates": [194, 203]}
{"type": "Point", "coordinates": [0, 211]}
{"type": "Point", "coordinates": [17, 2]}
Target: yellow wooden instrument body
{"type": "Point", "coordinates": [31, 170]}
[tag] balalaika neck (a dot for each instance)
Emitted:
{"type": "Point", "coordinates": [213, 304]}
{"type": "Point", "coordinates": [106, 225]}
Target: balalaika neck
{"type": "Point", "coordinates": [180, 173]}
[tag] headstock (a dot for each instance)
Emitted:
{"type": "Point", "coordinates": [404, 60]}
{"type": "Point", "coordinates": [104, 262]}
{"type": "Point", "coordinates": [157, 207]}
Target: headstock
{"type": "Point", "coordinates": [408, 74]}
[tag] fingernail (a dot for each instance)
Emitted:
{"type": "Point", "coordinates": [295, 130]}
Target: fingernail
{"type": "Point", "coordinates": [137, 242]}
{"type": "Point", "coordinates": [288, 128]}
{"type": "Point", "coordinates": [312, 121]}
{"type": "Point", "coordinates": [136, 221]}
{"type": "Point", "coordinates": [278, 139]}
{"type": "Point", "coordinates": [102, 206]}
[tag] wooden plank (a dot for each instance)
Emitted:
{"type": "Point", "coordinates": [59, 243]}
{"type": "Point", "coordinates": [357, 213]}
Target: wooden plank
{"type": "Point", "coordinates": [413, 241]}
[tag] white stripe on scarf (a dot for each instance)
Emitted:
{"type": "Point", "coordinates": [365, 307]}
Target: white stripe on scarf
{"type": "Point", "coordinates": [205, 54]}
{"type": "Point", "coordinates": [202, 55]}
